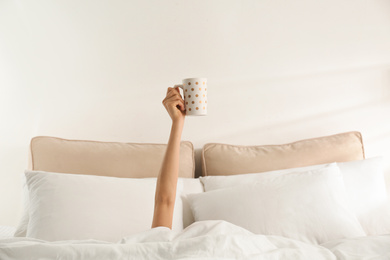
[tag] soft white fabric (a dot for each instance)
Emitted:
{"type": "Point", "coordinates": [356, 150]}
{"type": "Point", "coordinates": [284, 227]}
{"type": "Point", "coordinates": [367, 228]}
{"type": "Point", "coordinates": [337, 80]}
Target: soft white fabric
{"type": "Point", "coordinates": [6, 231]}
{"type": "Point", "coordinates": [74, 206]}
{"type": "Point", "coordinates": [189, 186]}
{"type": "Point", "coordinates": [221, 182]}
{"type": "Point", "coordinates": [364, 182]}
{"type": "Point", "coordinates": [361, 248]}
{"type": "Point", "coordinates": [21, 228]}
{"type": "Point", "coordinates": [310, 206]}
{"type": "Point", "coordinates": [201, 240]}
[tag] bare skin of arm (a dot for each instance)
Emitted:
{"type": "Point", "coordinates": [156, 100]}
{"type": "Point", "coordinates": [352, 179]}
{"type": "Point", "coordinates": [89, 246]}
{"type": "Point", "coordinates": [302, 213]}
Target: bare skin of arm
{"type": "Point", "coordinates": [167, 179]}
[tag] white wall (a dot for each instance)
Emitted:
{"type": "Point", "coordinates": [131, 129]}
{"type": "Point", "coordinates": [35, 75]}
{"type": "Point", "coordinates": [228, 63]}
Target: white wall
{"type": "Point", "coordinates": [278, 71]}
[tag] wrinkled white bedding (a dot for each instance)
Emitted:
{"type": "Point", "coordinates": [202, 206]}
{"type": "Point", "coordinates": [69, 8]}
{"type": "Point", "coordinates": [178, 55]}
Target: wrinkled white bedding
{"type": "Point", "coordinates": [6, 231]}
{"type": "Point", "coordinates": [201, 240]}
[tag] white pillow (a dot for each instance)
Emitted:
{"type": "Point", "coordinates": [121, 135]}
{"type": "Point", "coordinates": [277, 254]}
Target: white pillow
{"type": "Point", "coordinates": [310, 206]}
{"type": "Point", "coordinates": [364, 182]}
{"type": "Point", "coordinates": [189, 186]}
{"type": "Point", "coordinates": [21, 228]}
{"type": "Point", "coordinates": [74, 206]}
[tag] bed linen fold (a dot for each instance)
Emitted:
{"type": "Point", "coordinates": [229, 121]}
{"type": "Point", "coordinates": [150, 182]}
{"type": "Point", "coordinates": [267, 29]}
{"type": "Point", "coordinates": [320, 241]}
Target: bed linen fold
{"type": "Point", "coordinates": [361, 248]}
{"type": "Point", "coordinates": [201, 240]}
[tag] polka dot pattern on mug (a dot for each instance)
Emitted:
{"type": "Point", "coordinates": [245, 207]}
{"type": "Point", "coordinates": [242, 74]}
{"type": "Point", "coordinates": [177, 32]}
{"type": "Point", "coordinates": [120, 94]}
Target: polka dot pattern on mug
{"type": "Point", "coordinates": [195, 96]}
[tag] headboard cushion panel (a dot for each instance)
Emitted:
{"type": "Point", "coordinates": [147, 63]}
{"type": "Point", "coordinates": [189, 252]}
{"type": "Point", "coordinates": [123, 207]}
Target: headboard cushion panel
{"type": "Point", "coordinates": [226, 159]}
{"type": "Point", "coordinates": [127, 160]}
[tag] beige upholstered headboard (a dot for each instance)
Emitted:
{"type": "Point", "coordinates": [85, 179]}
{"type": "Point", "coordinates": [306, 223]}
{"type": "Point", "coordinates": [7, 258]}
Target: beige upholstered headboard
{"type": "Point", "coordinates": [131, 160]}
{"type": "Point", "coordinates": [225, 159]}
{"type": "Point", "coordinates": [142, 160]}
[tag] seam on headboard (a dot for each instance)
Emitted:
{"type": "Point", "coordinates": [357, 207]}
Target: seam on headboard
{"type": "Point", "coordinates": [193, 158]}
{"type": "Point", "coordinates": [31, 153]}
{"type": "Point", "coordinates": [361, 141]}
{"type": "Point", "coordinates": [204, 169]}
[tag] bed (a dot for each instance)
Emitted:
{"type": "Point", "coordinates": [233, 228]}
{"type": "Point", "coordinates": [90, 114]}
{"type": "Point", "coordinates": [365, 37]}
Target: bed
{"type": "Point", "coordinates": [318, 198]}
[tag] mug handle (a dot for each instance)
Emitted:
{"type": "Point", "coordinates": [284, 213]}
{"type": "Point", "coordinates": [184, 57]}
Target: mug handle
{"type": "Point", "coordinates": [182, 88]}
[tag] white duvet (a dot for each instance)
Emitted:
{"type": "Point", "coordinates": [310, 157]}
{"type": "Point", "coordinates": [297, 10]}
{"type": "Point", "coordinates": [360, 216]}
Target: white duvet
{"type": "Point", "coordinates": [201, 240]}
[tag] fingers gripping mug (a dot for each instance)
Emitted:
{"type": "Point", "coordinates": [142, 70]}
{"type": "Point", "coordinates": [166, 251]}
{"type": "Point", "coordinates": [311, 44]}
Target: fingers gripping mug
{"type": "Point", "coordinates": [195, 96]}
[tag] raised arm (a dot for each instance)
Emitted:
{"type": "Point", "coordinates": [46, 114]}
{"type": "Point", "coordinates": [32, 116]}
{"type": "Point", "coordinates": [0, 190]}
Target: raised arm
{"type": "Point", "coordinates": [167, 179]}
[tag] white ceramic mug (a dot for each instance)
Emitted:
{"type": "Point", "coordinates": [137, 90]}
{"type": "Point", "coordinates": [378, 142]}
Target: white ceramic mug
{"type": "Point", "coordinates": [195, 96]}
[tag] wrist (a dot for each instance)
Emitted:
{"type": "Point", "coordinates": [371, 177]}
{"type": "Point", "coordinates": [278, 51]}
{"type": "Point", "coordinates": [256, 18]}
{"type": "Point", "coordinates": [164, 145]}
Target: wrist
{"type": "Point", "coordinates": [178, 123]}
{"type": "Point", "coordinates": [177, 128]}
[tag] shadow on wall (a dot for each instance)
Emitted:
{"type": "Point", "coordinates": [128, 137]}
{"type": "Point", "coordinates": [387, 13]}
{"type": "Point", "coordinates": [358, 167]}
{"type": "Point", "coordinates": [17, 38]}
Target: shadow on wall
{"type": "Point", "coordinates": [274, 106]}
{"type": "Point", "coordinates": [371, 119]}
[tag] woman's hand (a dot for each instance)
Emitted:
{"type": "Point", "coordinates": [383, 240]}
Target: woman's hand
{"type": "Point", "coordinates": [174, 104]}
